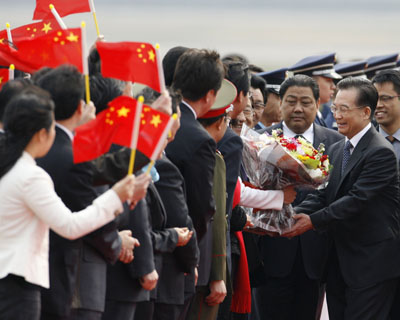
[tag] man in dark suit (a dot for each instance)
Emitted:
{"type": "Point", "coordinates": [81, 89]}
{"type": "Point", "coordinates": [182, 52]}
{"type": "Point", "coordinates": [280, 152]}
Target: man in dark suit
{"type": "Point", "coordinates": [387, 115]}
{"type": "Point", "coordinates": [360, 208]}
{"type": "Point", "coordinates": [171, 288]}
{"type": "Point", "coordinates": [198, 76]}
{"type": "Point", "coordinates": [294, 268]}
{"type": "Point", "coordinates": [77, 268]}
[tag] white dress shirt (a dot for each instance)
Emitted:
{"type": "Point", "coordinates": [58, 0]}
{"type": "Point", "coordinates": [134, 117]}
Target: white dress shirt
{"type": "Point", "coordinates": [260, 199]}
{"type": "Point", "coordinates": [28, 207]}
{"type": "Point", "coordinates": [308, 134]}
{"type": "Point", "coordinates": [356, 139]}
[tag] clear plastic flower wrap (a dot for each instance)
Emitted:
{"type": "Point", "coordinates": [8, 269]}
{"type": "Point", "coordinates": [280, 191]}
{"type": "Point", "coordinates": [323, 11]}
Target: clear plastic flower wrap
{"type": "Point", "coordinates": [273, 162]}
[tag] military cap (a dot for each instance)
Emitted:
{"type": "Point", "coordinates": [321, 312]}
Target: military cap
{"type": "Point", "coordinates": [352, 69]}
{"type": "Point", "coordinates": [320, 65]}
{"type": "Point", "coordinates": [274, 79]}
{"type": "Point", "coordinates": [225, 96]}
{"type": "Point", "coordinates": [379, 63]}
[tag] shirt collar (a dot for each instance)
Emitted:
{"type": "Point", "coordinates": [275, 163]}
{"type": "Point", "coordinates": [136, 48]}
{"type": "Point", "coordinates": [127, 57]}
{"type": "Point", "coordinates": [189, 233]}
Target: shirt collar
{"type": "Point", "coordinates": [190, 108]}
{"type": "Point", "coordinates": [262, 126]}
{"type": "Point", "coordinates": [396, 135]}
{"type": "Point", "coordinates": [308, 134]}
{"type": "Point", "coordinates": [356, 139]}
{"type": "Point", "coordinates": [66, 130]}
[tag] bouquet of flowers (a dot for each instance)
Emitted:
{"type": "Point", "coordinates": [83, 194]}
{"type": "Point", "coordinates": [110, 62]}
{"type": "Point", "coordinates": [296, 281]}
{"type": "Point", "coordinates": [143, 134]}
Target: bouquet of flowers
{"type": "Point", "coordinates": [273, 162]}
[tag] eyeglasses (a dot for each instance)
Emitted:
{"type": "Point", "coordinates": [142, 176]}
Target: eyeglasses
{"type": "Point", "coordinates": [386, 98]}
{"type": "Point", "coordinates": [259, 105]}
{"type": "Point", "coordinates": [343, 110]}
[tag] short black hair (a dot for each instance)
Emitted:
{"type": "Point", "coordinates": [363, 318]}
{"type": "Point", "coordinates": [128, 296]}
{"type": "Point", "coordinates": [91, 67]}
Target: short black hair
{"type": "Point", "coordinates": [104, 90]}
{"type": "Point", "coordinates": [300, 80]}
{"type": "Point", "coordinates": [66, 87]}
{"type": "Point", "coordinates": [367, 94]}
{"type": "Point", "coordinates": [40, 73]}
{"type": "Point", "coordinates": [237, 72]}
{"type": "Point", "coordinates": [255, 69]}
{"type": "Point", "coordinates": [257, 82]}
{"type": "Point", "coordinates": [10, 90]}
{"type": "Point", "coordinates": [197, 72]}
{"type": "Point", "coordinates": [94, 61]}
{"type": "Point", "coordinates": [169, 63]}
{"type": "Point", "coordinates": [392, 76]}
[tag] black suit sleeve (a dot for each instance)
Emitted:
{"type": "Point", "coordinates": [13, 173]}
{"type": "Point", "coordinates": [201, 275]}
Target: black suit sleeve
{"type": "Point", "coordinates": [232, 150]}
{"type": "Point", "coordinates": [171, 190]}
{"type": "Point", "coordinates": [139, 224]}
{"type": "Point", "coordinates": [376, 174]}
{"type": "Point", "coordinates": [106, 241]}
{"type": "Point", "coordinates": [164, 240]}
{"type": "Point", "coordinates": [198, 173]}
{"type": "Point", "coordinates": [113, 166]}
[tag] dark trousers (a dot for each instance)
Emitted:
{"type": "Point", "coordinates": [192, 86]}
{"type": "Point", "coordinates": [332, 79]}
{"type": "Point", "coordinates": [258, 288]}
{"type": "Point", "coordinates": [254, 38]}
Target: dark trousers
{"type": "Point", "coordinates": [119, 310]}
{"type": "Point", "coordinates": [19, 300]}
{"type": "Point", "coordinates": [144, 310]}
{"type": "Point", "coordinates": [294, 297]}
{"type": "Point", "coordinates": [85, 314]}
{"type": "Point", "coordinates": [368, 303]}
{"type": "Point", "coordinates": [163, 311]}
{"type": "Point", "coordinates": [395, 311]}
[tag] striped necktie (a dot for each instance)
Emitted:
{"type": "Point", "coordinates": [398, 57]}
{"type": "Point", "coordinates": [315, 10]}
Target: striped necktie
{"type": "Point", "coordinates": [346, 154]}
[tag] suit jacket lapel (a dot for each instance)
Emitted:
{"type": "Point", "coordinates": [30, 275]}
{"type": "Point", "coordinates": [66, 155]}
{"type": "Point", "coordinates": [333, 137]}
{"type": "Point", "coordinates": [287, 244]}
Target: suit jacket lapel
{"type": "Point", "coordinates": [356, 156]}
{"type": "Point", "coordinates": [319, 136]}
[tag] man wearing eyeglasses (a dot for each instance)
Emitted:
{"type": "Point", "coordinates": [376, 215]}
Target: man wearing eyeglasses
{"type": "Point", "coordinates": [360, 209]}
{"type": "Point", "coordinates": [387, 115]}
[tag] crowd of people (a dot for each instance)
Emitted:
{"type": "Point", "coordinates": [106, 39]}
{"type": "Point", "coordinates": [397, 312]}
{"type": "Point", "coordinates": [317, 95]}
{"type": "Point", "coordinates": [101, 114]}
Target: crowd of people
{"type": "Point", "coordinates": [87, 241]}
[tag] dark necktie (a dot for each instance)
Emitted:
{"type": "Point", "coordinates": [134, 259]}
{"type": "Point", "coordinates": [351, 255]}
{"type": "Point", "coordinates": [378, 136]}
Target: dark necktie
{"type": "Point", "coordinates": [390, 139]}
{"type": "Point", "coordinates": [299, 136]}
{"type": "Point", "coordinates": [346, 154]}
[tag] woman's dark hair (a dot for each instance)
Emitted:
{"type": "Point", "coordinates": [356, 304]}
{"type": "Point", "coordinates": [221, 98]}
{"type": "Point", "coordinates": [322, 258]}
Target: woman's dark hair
{"type": "Point", "coordinates": [94, 62]}
{"type": "Point", "coordinates": [26, 114]}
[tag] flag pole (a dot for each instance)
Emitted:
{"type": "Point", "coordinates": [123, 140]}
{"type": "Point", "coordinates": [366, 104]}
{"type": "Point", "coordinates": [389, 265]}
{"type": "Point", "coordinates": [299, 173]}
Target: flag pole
{"type": "Point", "coordinates": [9, 37]}
{"type": "Point", "coordinates": [161, 141]}
{"type": "Point", "coordinates": [85, 62]}
{"type": "Point", "coordinates": [11, 72]}
{"type": "Point", "coordinates": [160, 69]}
{"type": "Point", "coordinates": [57, 16]}
{"type": "Point", "coordinates": [135, 133]}
{"type": "Point", "coordinates": [93, 10]}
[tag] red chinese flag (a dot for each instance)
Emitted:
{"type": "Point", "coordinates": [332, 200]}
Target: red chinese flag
{"type": "Point", "coordinates": [130, 61]}
{"type": "Point", "coordinates": [4, 76]}
{"type": "Point", "coordinates": [63, 7]}
{"type": "Point", "coordinates": [30, 31]}
{"type": "Point", "coordinates": [50, 50]}
{"type": "Point", "coordinates": [115, 125]}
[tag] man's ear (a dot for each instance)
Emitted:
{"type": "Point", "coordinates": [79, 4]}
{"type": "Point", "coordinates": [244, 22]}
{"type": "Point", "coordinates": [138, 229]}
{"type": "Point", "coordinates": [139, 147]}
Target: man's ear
{"type": "Point", "coordinates": [79, 111]}
{"type": "Point", "coordinates": [210, 95]}
{"type": "Point", "coordinates": [219, 123]}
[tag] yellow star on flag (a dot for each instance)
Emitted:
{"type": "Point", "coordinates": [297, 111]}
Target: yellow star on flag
{"type": "Point", "coordinates": [155, 121]}
{"type": "Point", "coordinates": [151, 55]}
{"type": "Point", "coordinates": [72, 37]}
{"type": "Point", "coordinates": [2, 41]}
{"type": "Point", "coordinates": [1, 80]}
{"type": "Point", "coordinates": [123, 112]}
{"type": "Point", "coordinates": [47, 27]}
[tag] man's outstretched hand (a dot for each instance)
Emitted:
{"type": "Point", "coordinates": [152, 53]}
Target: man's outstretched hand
{"type": "Point", "coordinates": [303, 224]}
